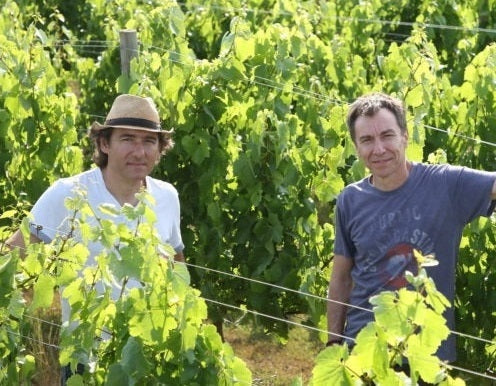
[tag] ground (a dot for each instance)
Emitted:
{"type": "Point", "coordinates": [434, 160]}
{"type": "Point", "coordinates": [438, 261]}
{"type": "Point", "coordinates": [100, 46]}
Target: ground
{"type": "Point", "coordinates": [271, 362]}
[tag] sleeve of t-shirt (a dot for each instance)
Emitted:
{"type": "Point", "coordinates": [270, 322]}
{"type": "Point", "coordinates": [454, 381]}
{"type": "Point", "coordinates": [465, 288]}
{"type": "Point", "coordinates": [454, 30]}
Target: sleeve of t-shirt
{"type": "Point", "coordinates": [168, 213]}
{"type": "Point", "coordinates": [49, 213]}
{"type": "Point", "coordinates": [342, 242]}
{"type": "Point", "coordinates": [176, 239]}
{"type": "Point", "coordinates": [471, 192]}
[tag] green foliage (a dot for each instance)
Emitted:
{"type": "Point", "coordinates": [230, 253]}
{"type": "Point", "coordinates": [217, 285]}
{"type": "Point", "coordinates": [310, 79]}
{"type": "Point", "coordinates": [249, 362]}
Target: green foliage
{"type": "Point", "coordinates": [37, 112]}
{"type": "Point", "coordinates": [476, 272]}
{"type": "Point", "coordinates": [153, 332]}
{"type": "Point", "coordinates": [408, 328]}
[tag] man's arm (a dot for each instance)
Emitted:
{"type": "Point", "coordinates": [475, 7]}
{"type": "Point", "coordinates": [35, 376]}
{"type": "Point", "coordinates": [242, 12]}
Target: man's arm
{"type": "Point", "coordinates": [493, 192]}
{"type": "Point", "coordinates": [340, 287]}
{"type": "Point", "coordinates": [179, 257]}
{"type": "Point", "coordinates": [17, 241]}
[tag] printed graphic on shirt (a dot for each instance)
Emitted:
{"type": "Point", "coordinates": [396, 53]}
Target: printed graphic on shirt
{"type": "Point", "coordinates": [393, 237]}
{"type": "Point", "coordinates": [397, 260]}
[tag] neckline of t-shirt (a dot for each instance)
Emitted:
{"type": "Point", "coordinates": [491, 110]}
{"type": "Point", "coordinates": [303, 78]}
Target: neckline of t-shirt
{"type": "Point", "coordinates": [411, 177]}
{"type": "Point", "coordinates": [103, 186]}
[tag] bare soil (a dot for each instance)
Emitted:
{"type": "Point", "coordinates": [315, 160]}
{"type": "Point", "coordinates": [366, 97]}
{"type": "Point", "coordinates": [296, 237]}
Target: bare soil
{"type": "Point", "coordinates": [273, 363]}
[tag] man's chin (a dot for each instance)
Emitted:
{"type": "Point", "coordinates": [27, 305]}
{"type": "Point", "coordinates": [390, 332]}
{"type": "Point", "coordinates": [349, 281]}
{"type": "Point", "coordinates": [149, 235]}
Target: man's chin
{"type": "Point", "coordinates": [137, 176]}
{"type": "Point", "coordinates": [380, 172]}
{"type": "Point", "coordinates": [138, 171]}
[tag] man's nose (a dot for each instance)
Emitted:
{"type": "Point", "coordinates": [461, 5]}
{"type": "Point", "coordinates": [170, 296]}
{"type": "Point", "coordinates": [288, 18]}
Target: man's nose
{"type": "Point", "coordinates": [139, 148]}
{"type": "Point", "coordinates": [379, 147]}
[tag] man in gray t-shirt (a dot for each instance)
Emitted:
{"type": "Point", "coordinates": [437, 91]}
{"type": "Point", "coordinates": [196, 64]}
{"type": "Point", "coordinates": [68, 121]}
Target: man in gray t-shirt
{"type": "Point", "coordinates": [400, 207]}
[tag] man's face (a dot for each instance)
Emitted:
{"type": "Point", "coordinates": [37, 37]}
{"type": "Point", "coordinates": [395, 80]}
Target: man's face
{"type": "Point", "coordinates": [132, 154]}
{"type": "Point", "coordinates": [381, 145]}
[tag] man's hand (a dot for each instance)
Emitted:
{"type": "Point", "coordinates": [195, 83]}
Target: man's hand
{"type": "Point", "coordinates": [179, 257]}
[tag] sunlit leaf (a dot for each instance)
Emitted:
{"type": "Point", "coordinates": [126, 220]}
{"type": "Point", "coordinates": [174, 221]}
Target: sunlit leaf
{"type": "Point", "coordinates": [43, 292]}
{"type": "Point", "coordinates": [331, 368]}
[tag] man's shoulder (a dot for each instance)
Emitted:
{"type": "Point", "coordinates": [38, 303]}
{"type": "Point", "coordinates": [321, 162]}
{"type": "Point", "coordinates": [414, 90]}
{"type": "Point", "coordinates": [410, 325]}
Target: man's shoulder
{"type": "Point", "coordinates": [437, 171]}
{"type": "Point", "coordinates": [356, 187]}
{"type": "Point", "coordinates": [67, 186]}
{"type": "Point", "coordinates": [353, 192]}
{"type": "Point", "coordinates": [158, 185]}
{"type": "Point", "coordinates": [86, 177]}
{"type": "Point", "coordinates": [433, 167]}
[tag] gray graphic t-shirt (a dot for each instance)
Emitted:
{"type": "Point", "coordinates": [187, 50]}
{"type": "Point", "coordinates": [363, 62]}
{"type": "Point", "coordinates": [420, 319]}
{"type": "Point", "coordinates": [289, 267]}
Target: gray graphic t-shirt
{"type": "Point", "coordinates": [379, 231]}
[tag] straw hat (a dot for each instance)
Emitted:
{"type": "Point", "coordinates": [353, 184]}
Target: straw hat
{"type": "Point", "coordinates": [132, 112]}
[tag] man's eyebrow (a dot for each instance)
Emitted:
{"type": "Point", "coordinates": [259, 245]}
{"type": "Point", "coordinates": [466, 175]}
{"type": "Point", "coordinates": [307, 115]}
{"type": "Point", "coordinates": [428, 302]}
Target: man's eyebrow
{"type": "Point", "coordinates": [134, 135]}
{"type": "Point", "coordinates": [127, 135]}
{"type": "Point", "coordinates": [365, 136]}
{"type": "Point", "coordinates": [151, 136]}
{"type": "Point", "coordinates": [387, 131]}
{"type": "Point", "coordinates": [381, 132]}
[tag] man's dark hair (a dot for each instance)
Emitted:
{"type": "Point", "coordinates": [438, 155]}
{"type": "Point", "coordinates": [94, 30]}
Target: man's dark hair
{"type": "Point", "coordinates": [369, 104]}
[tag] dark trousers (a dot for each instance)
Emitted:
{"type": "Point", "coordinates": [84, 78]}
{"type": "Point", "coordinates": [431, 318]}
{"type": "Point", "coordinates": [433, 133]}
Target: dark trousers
{"type": "Point", "coordinates": [405, 367]}
{"type": "Point", "coordinates": [66, 373]}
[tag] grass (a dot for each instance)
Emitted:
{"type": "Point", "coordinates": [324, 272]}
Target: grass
{"type": "Point", "coordinates": [42, 342]}
{"type": "Point", "coordinates": [273, 363]}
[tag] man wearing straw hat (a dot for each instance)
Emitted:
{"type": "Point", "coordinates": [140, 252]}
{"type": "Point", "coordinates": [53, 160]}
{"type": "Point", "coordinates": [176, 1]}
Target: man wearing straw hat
{"type": "Point", "coordinates": [128, 145]}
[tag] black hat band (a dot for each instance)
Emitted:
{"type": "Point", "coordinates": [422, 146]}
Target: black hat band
{"type": "Point", "coordinates": [139, 122]}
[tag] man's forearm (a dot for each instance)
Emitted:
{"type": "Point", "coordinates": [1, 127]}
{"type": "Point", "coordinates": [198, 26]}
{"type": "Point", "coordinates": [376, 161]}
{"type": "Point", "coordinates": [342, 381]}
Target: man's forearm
{"type": "Point", "coordinates": [336, 316]}
{"type": "Point", "coordinates": [17, 241]}
{"type": "Point", "coordinates": [179, 256]}
{"type": "Point", "coordinates": [340, 287]}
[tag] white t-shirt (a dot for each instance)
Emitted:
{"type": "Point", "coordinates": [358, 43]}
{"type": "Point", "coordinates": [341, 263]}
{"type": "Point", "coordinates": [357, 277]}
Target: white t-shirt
{"type": "Point", "coordinates": [50, 216]}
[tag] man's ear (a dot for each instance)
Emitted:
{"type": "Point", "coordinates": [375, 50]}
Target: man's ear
{"type": "Point", "coordinates": [104, 145]}
{"type": "Point", "coordinates": [354, 144]}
